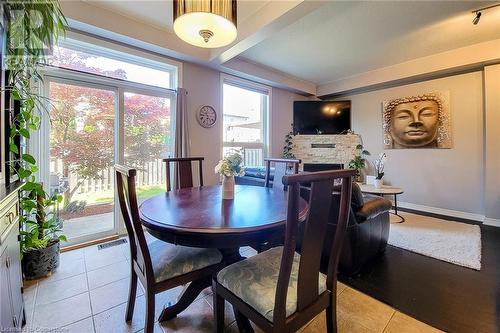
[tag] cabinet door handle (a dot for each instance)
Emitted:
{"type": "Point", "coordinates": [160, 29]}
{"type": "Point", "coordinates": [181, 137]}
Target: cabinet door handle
{"type": "Point", "coordinates": [11, 217]}
{"type": "Point", "coordinates": [7, 262]}
{"type": "Point", "coordinates": [14, 320]}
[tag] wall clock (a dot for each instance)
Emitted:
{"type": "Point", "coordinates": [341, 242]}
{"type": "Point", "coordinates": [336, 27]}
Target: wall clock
{"type": "Point", "coordinates": [207, 116]}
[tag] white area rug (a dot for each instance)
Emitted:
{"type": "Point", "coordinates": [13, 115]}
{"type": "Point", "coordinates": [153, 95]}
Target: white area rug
{"type": "Point", "coordinates": [454, 242]}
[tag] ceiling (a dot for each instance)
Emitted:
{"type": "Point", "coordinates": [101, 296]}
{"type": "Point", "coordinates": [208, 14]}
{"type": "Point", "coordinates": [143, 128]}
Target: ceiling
{"type": "Point", "coordinates": [342, 39]}
{"type": "Point", "coordinates": [314, 43]}
{"type": "Point", "coordinates": [158, 13]}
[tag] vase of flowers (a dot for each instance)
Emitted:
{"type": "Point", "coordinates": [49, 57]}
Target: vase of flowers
{"type": "Point", "coordinates": [379, 169]}
{"type": "Point", "coordinates": [229, 167]}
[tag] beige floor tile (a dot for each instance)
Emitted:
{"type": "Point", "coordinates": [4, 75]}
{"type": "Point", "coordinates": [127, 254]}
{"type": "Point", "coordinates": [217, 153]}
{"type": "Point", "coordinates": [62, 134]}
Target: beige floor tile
{"type": "Point", "coordinates": [401, 323]}
{"type": "Point", "coordinates": [95, 258]}
{"type": "Point", "coordinates": [198, 317]}
{"type": "Point", "coordinates": [83, 326]}
{"type": "Point", "coordinates": [340, 288]}
{"type": "Point", "coordinates": [62, 313]}
{"type": "Point", "coordinates": [318, 325]}
{"type": "Point", "coordinates": [111, 295]}
{"type": "Point", "coordinates": [55, 291]}
{"type": "Point", "coordinates": [353, 306]}
{"type": "Point", "coordinates": [228, 310]}
{"type": "Point", "coordinates": [66, 269]}
{"type": "Point", "coordinates": [108, 274]}
{"type": "Point", "coordinates": [113, 320]}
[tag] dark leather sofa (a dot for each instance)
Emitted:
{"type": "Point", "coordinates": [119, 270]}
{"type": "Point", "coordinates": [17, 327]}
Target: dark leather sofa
{"type": "Point", "coordinates": [367, 231]}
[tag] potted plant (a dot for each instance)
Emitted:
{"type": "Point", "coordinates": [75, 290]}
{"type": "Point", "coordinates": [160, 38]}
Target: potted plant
{"type": "Point", "coordinates": [359, 161]}
{"type": "Point", "coordinates": [24, 58]}
{"type": "Point", "coordinates": [40, 238]}
{"type": "Point", "coordinates": [379, 169]}
{"type": "Point", "coordinates": [229, 167]}
{"type": "Point", "coordinates": [287, 148]}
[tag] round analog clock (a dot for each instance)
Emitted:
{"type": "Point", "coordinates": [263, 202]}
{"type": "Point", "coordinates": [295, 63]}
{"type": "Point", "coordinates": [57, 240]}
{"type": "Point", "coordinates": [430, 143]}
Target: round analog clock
{"type": "Point", "coordinates": [207, 116]}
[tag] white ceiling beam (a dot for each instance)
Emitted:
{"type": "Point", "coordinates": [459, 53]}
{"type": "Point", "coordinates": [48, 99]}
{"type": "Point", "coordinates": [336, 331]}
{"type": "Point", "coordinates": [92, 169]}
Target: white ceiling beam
{"type": "Point", "coordinates": [108, 24]}
{"type": "Point", "coordinates": [445, 63]}
{"type": "Point", "coordinates": [271, 18]}
{"type": "Point", "coordinates": [266, 75]}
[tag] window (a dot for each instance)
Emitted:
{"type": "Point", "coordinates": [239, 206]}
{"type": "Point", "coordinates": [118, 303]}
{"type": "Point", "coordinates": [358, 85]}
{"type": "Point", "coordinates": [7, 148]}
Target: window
{"type": "Point", "coordinates": [245, 120]}
{"type": "Point", "coordinates": [105, 107]}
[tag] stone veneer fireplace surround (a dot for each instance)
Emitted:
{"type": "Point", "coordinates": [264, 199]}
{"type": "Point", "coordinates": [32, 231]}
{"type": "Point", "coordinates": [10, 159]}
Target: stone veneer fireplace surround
{"type": "Point", "coordinates": [325, 149]}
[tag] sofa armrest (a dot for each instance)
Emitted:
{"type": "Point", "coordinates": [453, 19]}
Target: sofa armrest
{"type": "Point", "coordinates": [373, 208]}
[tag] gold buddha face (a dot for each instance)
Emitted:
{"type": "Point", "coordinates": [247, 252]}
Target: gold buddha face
{"type": "Point", "coordinates": [415, 124]}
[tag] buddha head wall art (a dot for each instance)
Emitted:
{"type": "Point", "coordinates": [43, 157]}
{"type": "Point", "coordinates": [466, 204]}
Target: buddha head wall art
{"type": "Point", "coordinates": [421, 121]}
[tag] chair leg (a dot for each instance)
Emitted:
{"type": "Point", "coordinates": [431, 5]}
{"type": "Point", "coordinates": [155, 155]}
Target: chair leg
{"type": "Point", "coordinates": [150, 312]}
{"type": "Point", "coordinates": [331, 317]}
{"type": "Point", "coordinates": [131, 296]}
{"type": "Point", "coordinates": [219, 304]}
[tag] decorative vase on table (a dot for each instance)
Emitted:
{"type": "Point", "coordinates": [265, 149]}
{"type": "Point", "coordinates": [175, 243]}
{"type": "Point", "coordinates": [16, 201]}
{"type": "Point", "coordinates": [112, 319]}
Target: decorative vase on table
{"type": "Point", "coordinates": [227, 168]}
{"type": "Point", "coordinates": [378, 183]}
{"type": "Point", "coordinates": [227, 187]}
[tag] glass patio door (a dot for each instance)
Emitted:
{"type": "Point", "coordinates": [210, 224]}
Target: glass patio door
{"type": "Point", "coordinates": [81, 156]}
{"type": "Point", "coordinates": [147, 139]}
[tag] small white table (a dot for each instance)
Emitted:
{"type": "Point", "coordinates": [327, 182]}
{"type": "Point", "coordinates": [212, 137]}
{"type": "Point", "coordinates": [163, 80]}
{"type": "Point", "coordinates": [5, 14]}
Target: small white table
{"type": "Point", "coordinates": [385, 190]}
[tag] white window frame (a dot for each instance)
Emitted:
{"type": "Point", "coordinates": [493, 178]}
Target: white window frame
{"type": "Point", "coordinates": [266, 119]}
{"type": "Point", "coordinates": [41, 143]}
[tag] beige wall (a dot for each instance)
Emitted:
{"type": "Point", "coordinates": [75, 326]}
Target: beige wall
{"type": "Point", "coordinates": [492, 139]}
{"type": "Point", "coordinates": [203, 86]}
{"type": "Point", "coordinates": [450, 179]}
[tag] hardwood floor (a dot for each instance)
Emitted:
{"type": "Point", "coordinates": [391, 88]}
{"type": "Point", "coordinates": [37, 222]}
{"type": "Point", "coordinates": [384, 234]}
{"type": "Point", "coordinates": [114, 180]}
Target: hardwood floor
{"type": "Point", "coordinates": [446, 296]}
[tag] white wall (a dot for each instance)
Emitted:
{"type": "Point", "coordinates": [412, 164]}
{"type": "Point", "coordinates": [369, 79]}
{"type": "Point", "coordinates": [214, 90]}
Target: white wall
{"type": "Point", "coordinates": [444, 178]}
{"type": "Point", "coordinates": [203, 86]}
{"type": "Point", "coordinates": [492, 137]}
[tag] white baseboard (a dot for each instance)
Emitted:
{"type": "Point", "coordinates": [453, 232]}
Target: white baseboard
{"type": "Point", "coordinates": [446, 212]}
{"type": "Point", "coordinates": [492, 222]}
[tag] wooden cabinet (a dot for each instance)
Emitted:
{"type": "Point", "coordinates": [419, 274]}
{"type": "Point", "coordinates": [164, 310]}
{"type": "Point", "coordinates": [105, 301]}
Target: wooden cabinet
{"type": "Point", "coordinates": [11, 297]}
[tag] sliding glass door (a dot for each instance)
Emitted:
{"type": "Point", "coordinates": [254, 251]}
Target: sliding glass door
{"type": "Point", "coordinates": [147, 139]}
{"type": "Point", "coordinates": [105, 106]}
{"type": "Point", "coordinates": [91, 128]}
{"type": "Point", "coordinates": [81, 156]}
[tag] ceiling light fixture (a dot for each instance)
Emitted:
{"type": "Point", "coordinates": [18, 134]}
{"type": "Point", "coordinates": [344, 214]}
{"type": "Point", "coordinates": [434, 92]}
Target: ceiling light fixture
{"type": "Point", "coordinates": [478, 13]}
{"type": "Point", "coordinates": [205, 23]}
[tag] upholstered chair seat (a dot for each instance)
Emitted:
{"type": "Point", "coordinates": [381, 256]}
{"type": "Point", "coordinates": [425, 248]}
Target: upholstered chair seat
{"type": "Point", "coordinates": [171, 260]}
{"type": "Point", "coordinates": [254, 280]}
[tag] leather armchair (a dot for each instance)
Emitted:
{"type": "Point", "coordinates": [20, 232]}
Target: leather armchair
{"type": "Point", "coordinates": [367, 230]}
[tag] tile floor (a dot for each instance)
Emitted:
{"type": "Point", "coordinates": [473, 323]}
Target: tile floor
{"type": "Point", "coordinates": [88, 293]}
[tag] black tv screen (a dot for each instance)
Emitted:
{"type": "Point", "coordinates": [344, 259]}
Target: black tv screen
{"type": "Point", "coordinates": [319, 117]}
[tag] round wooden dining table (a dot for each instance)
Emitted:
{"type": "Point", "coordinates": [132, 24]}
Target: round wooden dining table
{"type": "Point", "coordinates": [199, 217]}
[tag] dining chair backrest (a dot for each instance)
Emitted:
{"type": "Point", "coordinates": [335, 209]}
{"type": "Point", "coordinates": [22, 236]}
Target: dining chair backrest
{"type": "Point", "coordinates": [322, 186]}
{"type": "Point", "coordinates": [281, 166]}
{"type": "Point", "coordinates": [127, 197]}
{"type": "Point", "coordinates": [184, 173]}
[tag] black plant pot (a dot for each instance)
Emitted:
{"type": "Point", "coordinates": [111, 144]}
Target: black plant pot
{"type": "Point", "coordinates": [41, 262]}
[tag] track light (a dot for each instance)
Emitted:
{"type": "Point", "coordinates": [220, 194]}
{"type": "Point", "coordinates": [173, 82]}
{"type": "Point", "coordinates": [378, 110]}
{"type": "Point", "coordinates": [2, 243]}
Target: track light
{"type": "Point", "coordinates": [476, 19]}
{"type": "Point", "coordinates": [478, 13]}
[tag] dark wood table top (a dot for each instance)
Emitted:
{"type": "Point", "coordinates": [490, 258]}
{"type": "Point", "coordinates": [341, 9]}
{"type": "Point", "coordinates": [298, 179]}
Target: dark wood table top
{"type": "Point", "coordinates": [198, 216]}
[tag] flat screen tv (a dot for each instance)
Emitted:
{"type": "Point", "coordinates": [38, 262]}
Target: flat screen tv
{"type": "Point", "coordinates": [319, 117]}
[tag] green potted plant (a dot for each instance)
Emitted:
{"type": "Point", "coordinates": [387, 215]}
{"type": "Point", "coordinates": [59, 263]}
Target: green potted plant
{"type": "Point", "coordinates": [287, 148]}
{"type": "Point", "coordinates": [359, 161]}
{"type": "Point", "coordinates": [33, 26]}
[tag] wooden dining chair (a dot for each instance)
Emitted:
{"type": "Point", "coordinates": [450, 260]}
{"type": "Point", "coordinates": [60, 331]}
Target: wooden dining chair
{"type": "Point", "coordinates": [279, 289]}
{"type": "Point", "coordinates": [160, 266]}
{"type": "Point", "coordinates": [185, 171]}
{"type": "Point", "coordinates": [281, 166]}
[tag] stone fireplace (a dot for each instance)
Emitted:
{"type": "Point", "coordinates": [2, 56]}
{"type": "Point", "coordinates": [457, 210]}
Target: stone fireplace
{"type": "Point", "coordinates": [324, 152]}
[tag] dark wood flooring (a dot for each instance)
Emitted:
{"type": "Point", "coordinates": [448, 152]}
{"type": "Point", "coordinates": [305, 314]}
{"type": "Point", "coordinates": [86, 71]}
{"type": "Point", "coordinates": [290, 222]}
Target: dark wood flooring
{"type": "Point", "coordinates": [446, 296]}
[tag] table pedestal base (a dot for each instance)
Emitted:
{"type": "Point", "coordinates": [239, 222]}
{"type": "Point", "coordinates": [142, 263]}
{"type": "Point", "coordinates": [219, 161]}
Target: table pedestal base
{"type": "Point", "coordinates": [185, 299]}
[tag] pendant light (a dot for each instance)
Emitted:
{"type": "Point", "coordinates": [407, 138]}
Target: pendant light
{"type": "Point", "coordinates": [205, 23]}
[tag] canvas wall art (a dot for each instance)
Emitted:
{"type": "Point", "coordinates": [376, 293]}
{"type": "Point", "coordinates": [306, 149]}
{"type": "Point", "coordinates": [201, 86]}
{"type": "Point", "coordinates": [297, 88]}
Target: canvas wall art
{"type": "Point", "coordinates": [422, 121]}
